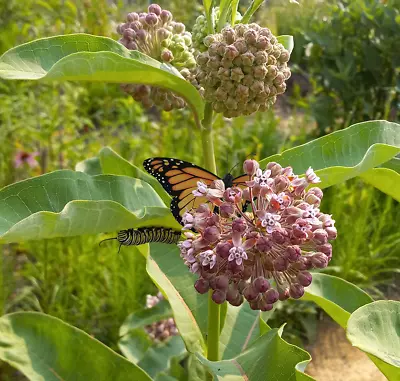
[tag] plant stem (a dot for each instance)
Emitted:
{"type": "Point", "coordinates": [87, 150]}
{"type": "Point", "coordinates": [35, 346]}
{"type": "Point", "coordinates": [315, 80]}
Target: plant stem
{"type": "Point", "coordinates": [214, 312]}
{"type": "Point", "coordinates": [213, 308]}
{"type": "Point", "coordinates": [207, 141]}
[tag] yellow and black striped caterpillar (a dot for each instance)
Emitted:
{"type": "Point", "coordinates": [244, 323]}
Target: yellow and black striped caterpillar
{"type": "Point", "coordinates": [141, 236]}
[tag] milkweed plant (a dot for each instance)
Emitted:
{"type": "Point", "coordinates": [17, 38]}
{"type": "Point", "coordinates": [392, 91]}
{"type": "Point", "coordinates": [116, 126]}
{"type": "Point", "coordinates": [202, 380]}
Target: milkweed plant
{"type": "Point", "coordinates": [243, 248]}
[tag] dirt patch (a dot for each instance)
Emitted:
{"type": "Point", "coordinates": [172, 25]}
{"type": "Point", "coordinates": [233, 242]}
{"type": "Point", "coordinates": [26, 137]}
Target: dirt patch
{"type": "Point", "coordinates": [335, 359]}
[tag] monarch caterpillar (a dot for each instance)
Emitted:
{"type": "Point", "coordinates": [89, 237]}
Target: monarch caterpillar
{"type": "Point", "coordinates": [141, 236]}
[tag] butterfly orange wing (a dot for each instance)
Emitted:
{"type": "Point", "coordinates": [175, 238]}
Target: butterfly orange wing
{"type": "Point", "coordinates": [179, 179]}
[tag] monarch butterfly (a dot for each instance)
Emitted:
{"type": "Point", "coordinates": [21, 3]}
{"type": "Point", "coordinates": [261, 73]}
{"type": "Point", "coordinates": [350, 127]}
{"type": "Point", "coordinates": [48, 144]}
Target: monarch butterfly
{"type": "Point", "coordinates": [146, 235]}
{"type": "Point", "coordinates": [179, 179]}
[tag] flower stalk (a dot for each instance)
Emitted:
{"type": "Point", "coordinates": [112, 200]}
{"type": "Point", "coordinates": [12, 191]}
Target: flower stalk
{"type": "Point", "coordinates": [214, 310]}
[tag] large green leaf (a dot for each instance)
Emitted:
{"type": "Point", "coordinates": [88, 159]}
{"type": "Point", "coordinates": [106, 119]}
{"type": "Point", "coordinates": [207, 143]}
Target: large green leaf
{"type": "Point", "coordinates": [66, 203]}
{"type": "Point", "coordinates": [146, 316]}
{"type": "Point", "coordinates": [384, 179]}
{"type": "Point", "coordinates": [83, 57]}
{"type": "Point", "coordinates": [337, 297]}
{"type": "Point", "coordinates": [375, 329]}
{"type": "Point", "coordinates": [89, 166]}
{"type": "Point", "coordinates": [287, 41]}
{"type": "Point", "coordinates": [241, 328]}
{"type": "Point", "coordinates": [344, 154]}
{"type": "Point", "coordinates": [172, 277]}
{"type": "Point", "coordinates": [113, 164]}
{"type": "Point", "coordinates": [269, 358]}
{"type": "Point", "coordinates": [45, 348]}
{"type": "Point", "coordinates": [158, 358]}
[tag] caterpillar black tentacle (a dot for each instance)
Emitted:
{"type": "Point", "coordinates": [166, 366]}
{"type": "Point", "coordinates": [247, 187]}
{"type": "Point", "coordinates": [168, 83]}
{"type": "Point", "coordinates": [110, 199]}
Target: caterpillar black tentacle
{"type": "Point", "coordinates": [141, 236]}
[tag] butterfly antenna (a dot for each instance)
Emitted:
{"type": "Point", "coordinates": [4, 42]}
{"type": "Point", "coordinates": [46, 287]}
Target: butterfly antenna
{"type": "Point", "coordinates": [107, 239]}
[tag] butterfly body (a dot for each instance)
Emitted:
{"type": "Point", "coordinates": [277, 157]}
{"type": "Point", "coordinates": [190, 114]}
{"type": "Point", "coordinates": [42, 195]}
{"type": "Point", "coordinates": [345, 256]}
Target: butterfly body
{"type": "Point", "coordinates": [180, 178]}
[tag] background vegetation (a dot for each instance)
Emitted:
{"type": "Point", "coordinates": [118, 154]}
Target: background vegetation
{"type": "Point", "coordinates": [345, 70]}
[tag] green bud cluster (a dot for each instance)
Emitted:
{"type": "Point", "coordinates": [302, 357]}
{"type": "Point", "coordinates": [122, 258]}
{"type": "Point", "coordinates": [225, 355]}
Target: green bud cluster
{"type": "Point", "coordinates": [243, 70]}
{"type": "Point", "coordinates": [158, 36]}
{"type": "Point", "coordinates": [200, 30]}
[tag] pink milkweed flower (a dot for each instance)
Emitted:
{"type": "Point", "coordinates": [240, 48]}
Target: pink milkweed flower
{"type": "Point", "coordinates": [262, 254]}
{"type": "Point", "coordinates": [23, 157]}
{"type": "Point", "coordinates": [201, 190]}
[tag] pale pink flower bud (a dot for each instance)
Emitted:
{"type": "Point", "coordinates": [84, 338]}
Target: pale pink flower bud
{"type": "Point", "coordinates": [222, 249]}
{"type": "Point", "coordinates": [227, 209]}
{"type": "Point", "coordinates": [151, 19]}
{"type": "Point", "coordinates": [281, 183]}
{"type": "Point", "coordinates": [326, 249]}
{"type": "Point", "coordinates": [332, 232]}
{"type": "Point", "coordinates": [239, 225]}
{"type": "Point", "coordinates": [319, 260]}
{"type": "Point", "coordinates": [320, 236]}
{"type": "Point", "coordinates": [165, 16]}
{"type": "Point", "coordinates": [155, 8]}
{"type": "Point", "coordinates": [250, 167]}
{"type": "Point", "coordinates": [211, 234]}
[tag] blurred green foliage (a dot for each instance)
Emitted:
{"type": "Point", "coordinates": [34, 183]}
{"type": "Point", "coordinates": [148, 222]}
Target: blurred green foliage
{"type": "Point", "coordinates": [348, 51]}
{"type": "Point", "coordinates": [345, 50]}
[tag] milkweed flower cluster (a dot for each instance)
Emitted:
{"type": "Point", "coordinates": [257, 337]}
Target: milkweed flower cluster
{"type": "Point", "coordinates": [264, 255]}
{"type": "Point", "coordinates": [163, 329]}
{"type": "Point", "coordinates": [243, 69]}
{"type": "Point", "coordinates": [157, 35]}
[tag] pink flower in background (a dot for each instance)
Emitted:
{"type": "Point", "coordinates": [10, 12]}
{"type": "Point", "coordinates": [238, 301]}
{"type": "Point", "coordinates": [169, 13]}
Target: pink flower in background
{"type": "Point", "coordinates": [23, 157]}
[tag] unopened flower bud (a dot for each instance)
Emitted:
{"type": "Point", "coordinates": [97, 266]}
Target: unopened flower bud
{"type": "Point", "coordinates": [165, 16]}
{"type": "Point", "coordinates": [261, 284]}
{"type": "Point", "coordinates": [221, 282]}
{"type": "Point", "coordinates": [264, 244]}
{"type": "Point", "coordinates": [218, 296]}
{"type": "Point", "coordinates": [250, 167]}
{"type": "Point", "coordinates": [151, 19]}
{"type": "Point", "coordinates": [280, 264]}
{"type": "Point", "coordinates": [284, 294]}
{"type": "Point", "coordinates": [211, 234]}
{"type": "Point", "coordinates": [227, 209]}
{"type": "Point", "coordinates": [304, 278]}
{"type": "Point", "coordinates": [250, 293]}
{"type": "Point", "coordinates": [332, 232]}
{"type": "Point", "coordinates": [293, 253]}
{"type": "Point", "coordinates": [202, 286]}
{"type": "Point", "coordinates": [319, 260]}
{"type": "Point", "coordinates": [296, 290]}
{"type": "Point", "coordinates": [222, 249]}
{"type": "Point", "coordinates": [155, 8]}
{"type": "Point", "coordinates": [133, 16]}
{"type": "Point", "coordinates": [271, 296]}
{"type": "Point", "coordinates": [326, 249]}
{"type": "Point", "coordinates": [167, 55]}
{"type": "Point", "coordinates": [320, 236]}
{"type": "Point", "coordinates": [239, 225]}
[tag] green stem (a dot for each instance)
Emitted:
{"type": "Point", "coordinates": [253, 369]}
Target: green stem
{"type": "Point", "coordinates": [213, 308]}
{"type": "Point", "coordinates": [207, 139]}
{"type": "Point", "coordinates": [214, 314]}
